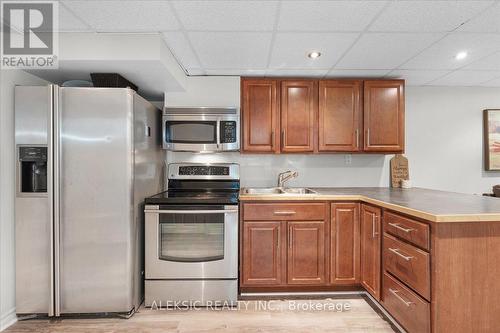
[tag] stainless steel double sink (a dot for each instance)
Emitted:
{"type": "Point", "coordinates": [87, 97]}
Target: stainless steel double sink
{"type": "Point", "coordinates": [277, 190]}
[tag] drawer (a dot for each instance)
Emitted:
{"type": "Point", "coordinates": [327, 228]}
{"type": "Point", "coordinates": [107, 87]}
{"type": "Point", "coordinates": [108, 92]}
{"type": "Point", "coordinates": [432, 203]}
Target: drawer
{"type": "Point", "coordinates": [403, 227]}
{"type": "Point", "coordinates": [408, 263]}
{"type": "Point", "coordinates": [410, 310]}
{"type": "Point", "coordinates": [284, 211]}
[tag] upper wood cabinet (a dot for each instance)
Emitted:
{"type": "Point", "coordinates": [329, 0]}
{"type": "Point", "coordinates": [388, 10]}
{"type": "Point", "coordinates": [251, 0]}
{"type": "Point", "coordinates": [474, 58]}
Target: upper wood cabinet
{"type": "Point", "coordinates": [383, 111]}
{"type": "Point", "coordinates": [298, 113]}
{"type": "Point", "coordinates": [260, 115]}
{"type": "Point", "coordinates": [345, 245]}
{"type": "Point", "coordinates": [321, 116]}
{"type": "Point", "coordinates": [340, 121]}
{"type": "Point", "coordinates": [370, 249]}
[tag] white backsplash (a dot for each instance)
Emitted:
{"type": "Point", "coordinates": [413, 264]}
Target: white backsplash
{"type": "Point", "coordinates": [328, 170]}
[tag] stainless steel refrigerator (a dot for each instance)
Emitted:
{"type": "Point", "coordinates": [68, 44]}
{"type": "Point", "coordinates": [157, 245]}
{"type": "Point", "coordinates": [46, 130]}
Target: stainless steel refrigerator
{"type": "Point", "coordinates": [86, 159]}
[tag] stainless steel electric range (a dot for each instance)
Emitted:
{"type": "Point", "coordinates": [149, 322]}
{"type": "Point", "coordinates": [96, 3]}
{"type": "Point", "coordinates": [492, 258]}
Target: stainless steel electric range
{"type": "Point", "coordinates": [191, 231]}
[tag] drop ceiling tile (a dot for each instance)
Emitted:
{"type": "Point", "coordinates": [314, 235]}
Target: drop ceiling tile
{"type": "Point", "coordinates": [231, 49]}
{"type": "Point", "coordinates": [236, 72]}
{"type": "Point", "coordinates": [385, 50]}
{"type": "Point", "coordinates": [227, 15]}
{"type": "Point", "coordinates": [68, 22]}
{"type": "Point", "coordinates": [416, 78]}
{"type": "Point", "coordinates": [357, 73]}
{"type": "Point", "coordinates": [465, 78]}
{"type": "Point", "coordinates": [179, 46]}
{"type": "Point", "coordinates": [297, 72]}
{"type": "Point", "coordinates": [491, 62]}
{"type": "Point", "coordinates": [125, 16]}
{"type": "Point", "coordinates": [427, 16]}
{"type": "Point", "coordinates": [441, 55]}
{"type": "Point", "coordinates": [290, 49]}
{"type": "Point", "coordinates": [486, 22]}
{"type": "Point", "coordinates": [327, 15]}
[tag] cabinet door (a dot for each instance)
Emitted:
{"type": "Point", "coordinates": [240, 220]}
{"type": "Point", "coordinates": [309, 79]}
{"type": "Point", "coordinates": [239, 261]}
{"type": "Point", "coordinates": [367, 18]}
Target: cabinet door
{"type": "Point", "coordinates": [298, 105]}
{"type": "Point", "coordinates": [264, 248]}
{"type": "Point", "coordinates": [306, 253]}
{"type": "Point", "coordinates": [260, 120]}
{"type": "Point", "coordinates": [384, 115]}
{"type": "Point", "coordinates": [345, 245]}
{"type": "Point", "coordinates": [339, 124]}
{"type": "Point", "coordinates": [370, 249]}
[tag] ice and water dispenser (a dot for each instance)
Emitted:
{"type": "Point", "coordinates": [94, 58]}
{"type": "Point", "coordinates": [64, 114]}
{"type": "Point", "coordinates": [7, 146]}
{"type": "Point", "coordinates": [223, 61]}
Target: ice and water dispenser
{"type": "Point", "coordinates": [33, 169]}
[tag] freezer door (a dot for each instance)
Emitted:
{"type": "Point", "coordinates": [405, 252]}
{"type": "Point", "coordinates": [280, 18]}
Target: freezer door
{"type": "Point", "coordinates": [33, 223]}
{"type": "Point", "coordinates": [95, 200]}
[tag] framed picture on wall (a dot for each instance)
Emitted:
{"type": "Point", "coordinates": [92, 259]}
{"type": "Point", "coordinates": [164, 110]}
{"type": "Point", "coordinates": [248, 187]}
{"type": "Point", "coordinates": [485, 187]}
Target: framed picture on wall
{"type": "Point", "coordinates": [491, 118]}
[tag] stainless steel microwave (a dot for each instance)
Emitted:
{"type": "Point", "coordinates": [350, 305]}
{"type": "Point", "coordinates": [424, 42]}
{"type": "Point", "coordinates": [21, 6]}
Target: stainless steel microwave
{"type": "Point", "coordinates": [201, 129]}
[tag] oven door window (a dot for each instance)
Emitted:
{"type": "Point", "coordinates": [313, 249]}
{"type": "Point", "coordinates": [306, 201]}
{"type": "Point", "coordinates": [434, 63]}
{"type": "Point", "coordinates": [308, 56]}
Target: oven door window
{"type": "Point", "coordinates": [191, 237]}
{"type": "Point", "coordinates": [193, 132]}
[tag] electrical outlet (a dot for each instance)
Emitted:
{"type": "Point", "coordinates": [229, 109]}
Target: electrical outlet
{"type": "Point", "coordinates": [348, 159]}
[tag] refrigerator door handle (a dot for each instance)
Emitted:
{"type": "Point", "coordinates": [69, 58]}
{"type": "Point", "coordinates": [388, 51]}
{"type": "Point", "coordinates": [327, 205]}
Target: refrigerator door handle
{"type": "Point", "coordinates": [50, 192]}
{"type": "Point", "coordinates": [56, 137]}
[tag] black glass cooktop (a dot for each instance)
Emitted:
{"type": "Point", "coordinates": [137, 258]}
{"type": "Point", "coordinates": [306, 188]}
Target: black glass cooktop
{"type": "Point", "coordinates": [194, 197]}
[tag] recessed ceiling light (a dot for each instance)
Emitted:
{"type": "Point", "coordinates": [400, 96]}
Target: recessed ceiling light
{"type": "Point", "coordinates": [461, 55]}
{"type": "Point", "coordinates": [314, 54]}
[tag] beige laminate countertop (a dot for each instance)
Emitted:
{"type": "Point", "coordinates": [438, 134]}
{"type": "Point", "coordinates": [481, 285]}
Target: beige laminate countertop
{"type": "Point", "coordinates": [431, 205]}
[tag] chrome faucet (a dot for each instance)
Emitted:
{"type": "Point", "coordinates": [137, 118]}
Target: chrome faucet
{"type": "Point", "coordinates": [286, 176]}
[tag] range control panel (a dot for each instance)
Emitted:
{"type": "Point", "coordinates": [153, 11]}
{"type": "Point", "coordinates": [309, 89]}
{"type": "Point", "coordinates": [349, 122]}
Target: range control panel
{"type": "Point", "coordinates": [203, 170]}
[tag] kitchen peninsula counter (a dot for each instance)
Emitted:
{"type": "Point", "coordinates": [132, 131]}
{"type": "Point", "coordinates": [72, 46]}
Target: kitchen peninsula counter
{"type": "Point", "coordinates": [430, 205]}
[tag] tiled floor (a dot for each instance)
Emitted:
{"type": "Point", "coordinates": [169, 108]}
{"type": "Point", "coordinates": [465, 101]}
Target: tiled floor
{"type": "Point", "coordinates": [284, 316]}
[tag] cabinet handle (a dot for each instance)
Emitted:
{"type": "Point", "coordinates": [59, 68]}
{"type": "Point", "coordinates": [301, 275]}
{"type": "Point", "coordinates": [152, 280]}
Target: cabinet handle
{"type": "Point", "coordinates": [357, 138]}
{"type": "Point", "coordinates": [284, 212]}
{"type": "Point", "coordinates": [368, 137]}
{"type": "Point", "coordinates": [395, 293]}
{"type": "Point", "coordinates": [279, 236]}
{"type": "Point", "coordinates": [282, 138]}
{"type": "Point", "coordinates": [374, 226]}
{"type": "Point", "coordinates": [396, 251]}
{"type": "Point", "coordinates": [272, 139]}
{"type": "Point", "coordinates": [290, 237]}
{"type": "Point", "coordinates": [397, 226]}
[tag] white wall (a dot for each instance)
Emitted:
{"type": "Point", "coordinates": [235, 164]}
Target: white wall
{"type": "Point", "coordinates": [8, 79]}
{"type": "Point", "coordinates": [445, 137]}
{"type": "Point", "coordinates": [443, 140]}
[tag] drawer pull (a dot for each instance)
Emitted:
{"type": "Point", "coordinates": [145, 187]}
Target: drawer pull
{"type": "Point", "coordinates": [395, 293]}
{"type": "Point", "coordinates": [396, 251]}
{"type": "Point", "coordinates": [397, 226]}
{"type": "Point", "coordinates": [284, 212]}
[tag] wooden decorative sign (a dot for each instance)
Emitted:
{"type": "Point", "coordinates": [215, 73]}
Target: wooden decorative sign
{"type": "Point", "coordinates": [399, 170]}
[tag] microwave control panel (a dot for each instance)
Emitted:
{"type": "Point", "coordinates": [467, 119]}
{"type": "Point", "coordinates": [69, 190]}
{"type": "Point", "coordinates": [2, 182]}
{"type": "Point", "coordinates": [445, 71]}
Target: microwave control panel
{"type": "Point", "coordinates": [228, 131]}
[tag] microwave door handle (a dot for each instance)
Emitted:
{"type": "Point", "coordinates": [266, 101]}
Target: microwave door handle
{"type": "Point", "coordinates": [218, 133]}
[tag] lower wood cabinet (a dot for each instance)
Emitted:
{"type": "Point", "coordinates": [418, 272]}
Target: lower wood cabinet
{"type": "Point", "coordinates": [344, 244]}
{"type": "Point", "coordinates": [263, 253]}
{"type": "Point", "coordinates": [429, 276]}
{"type": "Point", "coordinates": [306, 253]}
{"type": "Point", "coordinates": [370, 232]}
{"type": "Point", "coordinates": [284, 244]}
{"type": "Point", "coordinates": [405, 306]}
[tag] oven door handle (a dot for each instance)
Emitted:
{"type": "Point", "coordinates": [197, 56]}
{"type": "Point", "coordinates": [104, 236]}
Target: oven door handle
{"type": "Point", "coordinates": [192, 211]}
